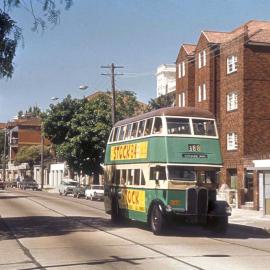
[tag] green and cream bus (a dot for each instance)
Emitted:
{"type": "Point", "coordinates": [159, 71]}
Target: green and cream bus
{"type": "Point", "coordinates": [164, 163]}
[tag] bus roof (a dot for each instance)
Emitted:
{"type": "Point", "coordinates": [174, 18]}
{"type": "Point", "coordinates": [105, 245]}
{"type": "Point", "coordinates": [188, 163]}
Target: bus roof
{"type": "Point", "coordinates": [169, 111]}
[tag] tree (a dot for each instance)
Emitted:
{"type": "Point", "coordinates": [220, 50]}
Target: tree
{"type": "Point", "coordinates": [85, 131]}
{"type": "Point", "coordinates": [31, 154]}
{"type": "Point", "coordinates": [160, 102]}
{"type": "Point", "coordinates": [56, 122]}
{"type": "Point", "coordinates": [11, 33]}
{"type": "Point", "coordinates": [34, 111]}
{"type": "Point", "coordinates": [2, 142]}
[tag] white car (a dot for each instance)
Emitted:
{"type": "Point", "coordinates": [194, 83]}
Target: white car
{"type": "Point", "coordinates": [94, 192]}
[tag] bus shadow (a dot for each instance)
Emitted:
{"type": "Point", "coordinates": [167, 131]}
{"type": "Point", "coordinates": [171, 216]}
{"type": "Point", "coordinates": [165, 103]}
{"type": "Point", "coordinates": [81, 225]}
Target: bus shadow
{"type": "Point", "coordinates": [234, 231]}
{"type": "Point", "coordinates": [42, 226]}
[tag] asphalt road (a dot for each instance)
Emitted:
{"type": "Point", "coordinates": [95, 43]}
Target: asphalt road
{"type": "Point", "coordinates": [39, 230]}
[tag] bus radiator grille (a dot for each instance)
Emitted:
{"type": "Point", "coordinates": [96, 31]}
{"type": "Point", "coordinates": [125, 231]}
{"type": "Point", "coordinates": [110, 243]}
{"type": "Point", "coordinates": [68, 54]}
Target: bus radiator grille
{"type": "Point", "coordinates": [197, 201]}
{"type": "Point", "coordinates": [191, 201]}
{"type": "Point", "coordinates": [202, 201]}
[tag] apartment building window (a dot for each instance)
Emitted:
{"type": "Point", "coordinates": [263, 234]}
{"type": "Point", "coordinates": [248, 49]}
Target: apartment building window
{"type": "Point", "coordinates": [231, 64]}
{"type": "Point", "coordinates": [232, 101]}
{"type": "Point", "coordinates": [232, 141]}
{"type": "Point", "coordinates": [183, 69]}
{"type": "Point", "coordinates": [182, 101]}
{"type": "Point", "coordinates": [202, 58]}
{"type": "Point", "coordinates": [199, 93]}
{"type": "Point", "coordinates": [204, 92]}
{"type": "Point", "coordinates": [179, 71]}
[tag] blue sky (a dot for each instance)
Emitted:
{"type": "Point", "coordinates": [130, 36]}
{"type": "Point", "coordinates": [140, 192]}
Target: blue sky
{"type": "Point", "coordinates": [139, 35]}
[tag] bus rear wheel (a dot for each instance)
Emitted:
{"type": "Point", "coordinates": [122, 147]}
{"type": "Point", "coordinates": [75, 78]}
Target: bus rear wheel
{"type": "Point", "coordinates": [116, 216]}
{"type": "Point", "coordinates": [157, 220]}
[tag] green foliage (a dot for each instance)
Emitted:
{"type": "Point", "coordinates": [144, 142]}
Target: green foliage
{"type": "Point", "coordinates": [11, 34]}
{"type": "Point", "coordinates": [31, 154]}
{"type": "Point", "coordinates": [160, 102]}
{"type": "Point", "coordinates": [56, 122]}
{"type": "Point", "coordinates": [2, 141]}
{"type": "Point", "coordinates": [80, 128]}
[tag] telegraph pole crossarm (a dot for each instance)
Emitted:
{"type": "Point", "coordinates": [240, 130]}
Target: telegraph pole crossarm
{"type": "Point", "coordinates": [112, 67]}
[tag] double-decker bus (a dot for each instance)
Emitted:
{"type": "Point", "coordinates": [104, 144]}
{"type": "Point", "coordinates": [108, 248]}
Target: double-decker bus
{"type": "Point", "coordinates": [164, 163]}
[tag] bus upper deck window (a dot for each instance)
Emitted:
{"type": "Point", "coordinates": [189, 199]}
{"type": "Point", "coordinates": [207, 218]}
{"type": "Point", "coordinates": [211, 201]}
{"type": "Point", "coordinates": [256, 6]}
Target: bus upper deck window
{"type": "Point", "coordinates": [141, 128]}
{"type": "Point", "coordinates": [178, 126]}
{"type": "Point", "coordinates": [204, 127]}
{"type": "Point", "coordinates": [122, 133]}
{"type": "Point", "coordinates": [128, 132]}
{"type": "Point", "coordinates": [158, 173]}
{"type": "Point", "coordinates": [111, 136]}
{"type": "Point", "coordinates": [157, 126]}
{"type": "Point", "coordinates": [116, 133]}
{"type": "Point", "coordinates": [148, 126]}
{"type": "Point", "coordinates": [134, 130]}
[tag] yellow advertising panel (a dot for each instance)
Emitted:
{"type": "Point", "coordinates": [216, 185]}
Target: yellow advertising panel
{"type": "Point", "coordinates": [133, 199]}
{"type": "Point", "coordinates": [129, 151]}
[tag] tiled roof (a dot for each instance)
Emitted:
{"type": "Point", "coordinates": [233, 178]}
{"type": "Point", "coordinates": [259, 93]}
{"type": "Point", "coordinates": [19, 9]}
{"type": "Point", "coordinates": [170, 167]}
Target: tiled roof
{"type": "Point", "coordinates": [251, 28]}
{"type": "Point", "coordinates": [216, 37]}
{"type": "Point", "coordinates": [2, 125]}
{"type": "Point", "coordinates": [189, 48]}
{"type": "Point", "coordinates": [25, 122]}
{"type": "Point", "coordinates": [261, 36]}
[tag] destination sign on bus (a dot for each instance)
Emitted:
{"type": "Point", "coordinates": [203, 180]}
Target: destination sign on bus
{"type": "Point", "coordinates": [129, 151]}
{"type": "Point", "coordinates": [189, 155]}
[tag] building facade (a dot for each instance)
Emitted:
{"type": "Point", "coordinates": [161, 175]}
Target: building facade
{"type": "Point", "coordinates": [230, 79]}
{"type": "Point", "coordinates": [165, 79]}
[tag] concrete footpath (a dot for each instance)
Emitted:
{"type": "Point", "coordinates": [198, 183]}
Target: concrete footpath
{"type": "Point", "coordinates": [250, 218]}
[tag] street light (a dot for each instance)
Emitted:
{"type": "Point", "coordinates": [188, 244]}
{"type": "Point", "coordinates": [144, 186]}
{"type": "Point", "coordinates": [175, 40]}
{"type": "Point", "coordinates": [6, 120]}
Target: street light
{"type": "Point", "coordinates": [83, 87]}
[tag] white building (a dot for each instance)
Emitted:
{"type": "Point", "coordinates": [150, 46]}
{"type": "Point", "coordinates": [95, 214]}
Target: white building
{"type": "Point", "coordinates": [166, 82]}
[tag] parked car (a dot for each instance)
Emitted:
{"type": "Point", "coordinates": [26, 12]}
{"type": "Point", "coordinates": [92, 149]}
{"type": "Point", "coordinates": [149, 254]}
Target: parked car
{"type": "Point", "coordinates": [2, 184]}
{"type": "Point", "coordinates": [79, 191]}
{"type": "Point", "coordinates": [94, 192]}
{"type": "Point", "coordinates": [29, 183]}
{"type": "Point", "coordinates": [67, 186]}
{"type": "Point", "coordinates": [13, 183]}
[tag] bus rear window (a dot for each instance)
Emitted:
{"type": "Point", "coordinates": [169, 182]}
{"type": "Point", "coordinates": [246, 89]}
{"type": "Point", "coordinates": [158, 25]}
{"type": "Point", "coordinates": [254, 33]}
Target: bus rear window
{"type": "Point", "coordinates": [204, 127]}
{"type": "Point", "coordinates": [181, 173]}
{"type": "Point", "coordinates": [178, 126]}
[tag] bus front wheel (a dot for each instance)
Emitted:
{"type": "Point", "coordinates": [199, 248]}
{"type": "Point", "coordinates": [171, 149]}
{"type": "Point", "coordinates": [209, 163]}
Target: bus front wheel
{"type": "Point", "coordinates": [157, 220]}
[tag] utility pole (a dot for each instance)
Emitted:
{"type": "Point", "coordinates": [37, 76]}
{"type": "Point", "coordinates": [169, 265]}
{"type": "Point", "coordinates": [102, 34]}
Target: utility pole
{"type": "Point", "coordinates": [42, 162]}
{"type": "Point", "coordinates": [112, 67]}
{"type": "Point", "coordinates": [4, 156]}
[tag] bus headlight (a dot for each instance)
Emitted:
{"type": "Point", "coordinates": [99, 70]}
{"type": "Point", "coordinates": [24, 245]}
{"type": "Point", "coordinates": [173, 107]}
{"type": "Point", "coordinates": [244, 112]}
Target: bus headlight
{"type": "Point", "coordinates": [228, 210]}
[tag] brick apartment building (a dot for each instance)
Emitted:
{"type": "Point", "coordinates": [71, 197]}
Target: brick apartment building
{"type": "Point", "coordinates": [228, 74]}
{"type": "Point", "coordinates": [23, 132]}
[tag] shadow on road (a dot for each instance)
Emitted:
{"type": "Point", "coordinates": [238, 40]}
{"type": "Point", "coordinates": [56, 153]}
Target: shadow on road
{"type": "Point", "coordinates": [40, 226]}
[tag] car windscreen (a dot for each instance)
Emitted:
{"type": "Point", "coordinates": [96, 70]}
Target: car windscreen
{"type": "Point", "coordinates": [74, 184]}
{"type": "Point", "coordinates": [97, 187]}
{"type": "Point", "coordinates": [181, 173]}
